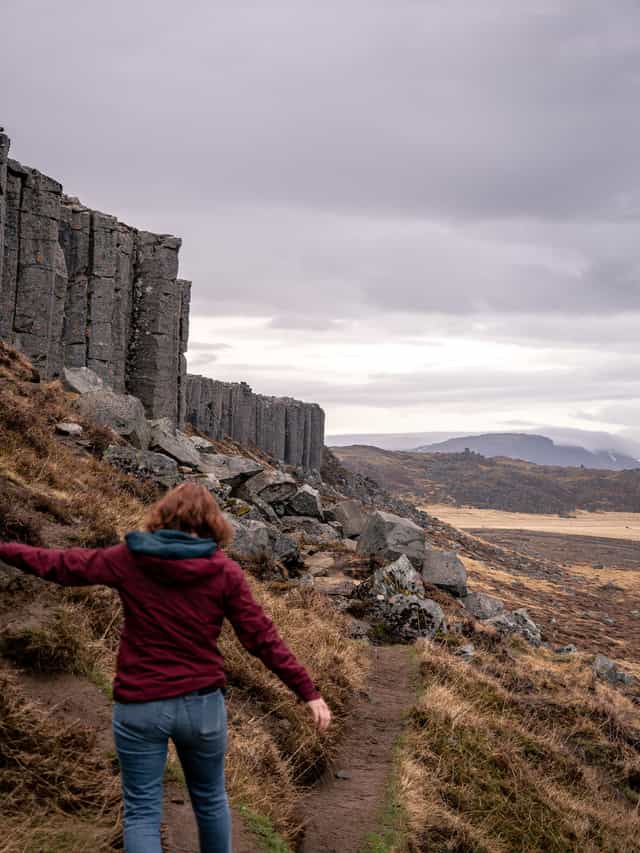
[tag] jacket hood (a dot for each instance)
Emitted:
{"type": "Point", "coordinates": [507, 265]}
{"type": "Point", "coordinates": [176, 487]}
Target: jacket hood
{"type": "Point", "coordinates": [172, 556]}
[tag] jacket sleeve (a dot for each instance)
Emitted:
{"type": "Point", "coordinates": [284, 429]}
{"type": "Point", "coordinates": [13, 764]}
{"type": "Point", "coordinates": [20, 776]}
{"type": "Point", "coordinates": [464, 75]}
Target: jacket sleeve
{"type": "Point", "coordinates": [258, 635]}
{"type": "Point", "coordinates": [68, 567]}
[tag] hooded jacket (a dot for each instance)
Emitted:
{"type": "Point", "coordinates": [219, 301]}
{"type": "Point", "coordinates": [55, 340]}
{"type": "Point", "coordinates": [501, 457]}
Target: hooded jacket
{"type": "Point", "coordinates": [176, 591]}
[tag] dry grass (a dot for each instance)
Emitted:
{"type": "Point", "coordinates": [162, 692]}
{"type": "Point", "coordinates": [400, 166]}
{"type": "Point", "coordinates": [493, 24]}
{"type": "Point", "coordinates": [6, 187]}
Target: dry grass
{"type": "Point", "coordinates": [274, 749]}
{"type": "Point", "coordinates": [519, 751]}
{"type": "Point", "coordinates": [56, 790]}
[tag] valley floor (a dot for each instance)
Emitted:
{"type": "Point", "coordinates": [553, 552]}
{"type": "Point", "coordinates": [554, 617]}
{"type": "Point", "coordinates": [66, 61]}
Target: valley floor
{"type": "Point", "coordinates": [617, 525]}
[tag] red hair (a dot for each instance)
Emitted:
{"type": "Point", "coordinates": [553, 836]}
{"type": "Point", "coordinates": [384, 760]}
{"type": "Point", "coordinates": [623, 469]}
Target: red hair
{"type": "Point", "coordinates": [190, 508]}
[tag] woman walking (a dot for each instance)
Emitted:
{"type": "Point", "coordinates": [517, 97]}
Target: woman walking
{"type": "Point", "coordinates": [177, 586]}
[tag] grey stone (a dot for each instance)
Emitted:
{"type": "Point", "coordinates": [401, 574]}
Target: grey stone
{"type": "Point", "coordinates": [607, 670]}
{"type": "Point", "coordinates": [319, 564]}
{"type": "Point", "coordinates": [408, 617]}
{"type": "Point", "coordinates": [309, 531]}
{"type": "Point", "coordinates": [81, 380]}
{"type": "Point", "coordinates": [123, 413]}
{"type": "Point", "coordinates": [388, 536]}
{"type": "Point", "coordinates": [482, 606]}
{"type": "Point", "coordinates": [342, 774]}
{"type": "Point", "coordinates": [518, 622]}
{"type": "Point", "coordinates": [570, 649]}
{"type": "Point", "coordinates": [398, 577]}
{"type": "Point", "coordinates": [466, 652]}
{"type": "Point", "coordinates": [232, 470]}
{"type": "Point", "coordinates": [144, 464]}
{"type": "Point", "coordinates": [445, 570]}
{"type": "Point", "coordinates": [251, 540]}
{"type": "Point", "coordinates": [202, 445]}
{"type": "Point", "coordinates": [285, 549]}
{"type": "Point", "coordinates": [165, 438]}
{"type": "Point", "coordinates": [306, 501]}
{"type": "Point", "coordinates": [351, 515]}
{"type": "Point", "coordinates": [70, 429]}
{"type": "Point", "coordinates": [271, 486]}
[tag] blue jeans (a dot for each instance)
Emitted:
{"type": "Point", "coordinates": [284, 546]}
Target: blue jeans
{"type": "Point", "coordinates": [198, 727]}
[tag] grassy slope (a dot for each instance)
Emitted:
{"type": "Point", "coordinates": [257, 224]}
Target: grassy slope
{"type": "Point", "coordinates": [505, 484]}
{"type": "Point", "coordinates": [58, 791]}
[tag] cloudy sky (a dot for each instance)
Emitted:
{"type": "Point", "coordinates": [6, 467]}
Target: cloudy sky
{"type": "Point", "coordinates": [423, 214]}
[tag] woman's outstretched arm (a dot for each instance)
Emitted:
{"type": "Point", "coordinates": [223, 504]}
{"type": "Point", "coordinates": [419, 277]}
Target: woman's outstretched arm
{"type": "Point", "coordinates": [259, 636]}
{"type": "Point", "coordinates": [68, 567]}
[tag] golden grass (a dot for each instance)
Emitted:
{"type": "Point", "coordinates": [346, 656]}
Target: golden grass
{"type": "Point", "coordinates": [519, 750]}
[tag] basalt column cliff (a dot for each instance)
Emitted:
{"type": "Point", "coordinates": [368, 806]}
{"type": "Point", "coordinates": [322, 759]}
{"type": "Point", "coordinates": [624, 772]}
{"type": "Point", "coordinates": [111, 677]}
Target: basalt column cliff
{"type": "Point", "coordinates": [78, 288]}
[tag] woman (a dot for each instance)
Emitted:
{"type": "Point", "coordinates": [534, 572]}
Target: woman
{"type": "Point", "coordinates": [177, 586]}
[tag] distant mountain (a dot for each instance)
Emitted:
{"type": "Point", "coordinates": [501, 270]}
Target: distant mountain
{"type": "Point", "coordinates": [533, 448]}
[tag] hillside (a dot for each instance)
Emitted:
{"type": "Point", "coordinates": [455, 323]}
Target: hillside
{"type": "Point", "coordinates": [474, 739]}
{"type": "Point", "coordinates": [533, 448]}
{"type": "Point", "coordinates": [505, 484]}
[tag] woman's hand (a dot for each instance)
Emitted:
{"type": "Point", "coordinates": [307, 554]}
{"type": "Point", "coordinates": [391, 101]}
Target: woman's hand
{"type": "Point", "coordinates": [321, 714]}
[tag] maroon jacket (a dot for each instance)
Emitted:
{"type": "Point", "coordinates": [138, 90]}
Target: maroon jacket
{"type": "Point", "coordinates": [173, 615]}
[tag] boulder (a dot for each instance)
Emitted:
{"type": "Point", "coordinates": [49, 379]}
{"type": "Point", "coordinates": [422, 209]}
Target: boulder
{"type": "Point", "coordinates": [251, 540]}
{"type": "Point", "coordinates": [398, 577]}
{"type": "Point", "coordinates": [306, 501]}
{"type": "Point", "coordinates": [309, 531]}
{"type": "Point", "coordinates": [388, 536]}
{"type": "Point", "coordinates": [231, 470]}
{"type": "Point", "coordinates": [285, 549]}
{"type": "Point", "coordinates": [156, 467]}
{"type": "Point", "coordinates": [165, 438]}
{"type": "Point", "coordinates": [202, 445]}
{"type": "Point", "coordinates": [81, 380]}
{"type": "Point", "coordinates": [408, 617]}
{"type": "Point", "coordinates": [445, 570]}
{"type": "Point", "coordinates": [270, 485]}
{"type": "Point", "coordinates": [482, 606]}
{"type": "Point", "coordinates": [123, 413]}
{"type": "Point", "coordinates": [607, 670]}
{"type": "Point", "coordinates": [70, 429]}
{"type": "Point", "coordinates": [319, 564]}
{"type": "Point", "coordinates": [351, 516]}
{"type": "Point", "coordinates": [518, 622]}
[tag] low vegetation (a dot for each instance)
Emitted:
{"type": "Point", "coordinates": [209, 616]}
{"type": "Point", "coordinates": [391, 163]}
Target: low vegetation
{"type": "Point", "coordinates": [469, 479]}
{"type": "Point", "coordinates": [519, 750]}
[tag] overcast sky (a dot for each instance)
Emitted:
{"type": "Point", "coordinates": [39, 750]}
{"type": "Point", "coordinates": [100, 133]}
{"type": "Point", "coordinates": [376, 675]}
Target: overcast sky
{"type": "Point", "coordinates": [422, 214]}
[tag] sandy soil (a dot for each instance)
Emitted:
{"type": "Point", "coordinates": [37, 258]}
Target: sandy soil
{"type": "Point", "coordinates": [617, 525]}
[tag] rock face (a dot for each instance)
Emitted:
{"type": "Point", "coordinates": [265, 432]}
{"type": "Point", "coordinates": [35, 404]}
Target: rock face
{"type": "Point", "coordinates": [388, 536]}
{"type": "Point", "coordinates": [79, 289]}
{"type": "Point", "coordinates": [287, 429]}
{"type": "Point", "coordinates": [306, 501]}
{"type": "Point", "coordinates": [445, 570]}
{"type": "Point", "coordinates": [270, 486]}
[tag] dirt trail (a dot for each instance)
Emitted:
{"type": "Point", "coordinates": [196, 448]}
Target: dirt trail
{"type": "Point", "coordinates": [341, 812]}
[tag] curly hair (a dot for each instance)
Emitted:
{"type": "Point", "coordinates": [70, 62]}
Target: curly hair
{"type": "Point", "coordinates": [190, 508]}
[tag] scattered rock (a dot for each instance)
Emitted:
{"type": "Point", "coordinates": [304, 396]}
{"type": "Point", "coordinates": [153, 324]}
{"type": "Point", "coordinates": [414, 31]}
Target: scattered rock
{"type": "Point", "coordinates": [358, 629]}
{"type": "Point", "coordinates": [232, 470]}
{"type": "Point", "coordinates": [306, 501]}
{"type": "Point", "coordinates": [342, 774]}
{"type": "Point", "coordinates": [123, 413]}
{"type": "Point", "coordinates": [569, 649]}
{"type": "Point", "coordinates": [202, 445]}
{"type": "Point", "coordinates": [81, 380]}
{"type": "Point", "coordinates": [398, 577]}
{"type": "Point", "coordinates": [319, 564]}
{"type": "Point", "coordinates": [251, 540]}
{"type": "Point", "coordinates": [408, 617]}
{"type": "Point", "coordinates": [351, 516]}
{"type": "Point", "coordinates": [607, 670]}
{"type": "Point", "coordinates": [285, 549]}
{"type": "Point", "coordinates": [271, 486]}
{"type": "Point", "coordinates": [518, 622]}
{"type": "Point", "coordinates": [389, 536]}
{"type": "Point", "coordinates": [466, 652]}
{"type": "Point", "coordinates": [445, 570]}
{"type": "Point", "coordinates": [309, 531]}
{"type": "Point", "coordinates": [482, 606]}
{"type": "Point", "coordinates": [165, 438]}
{"type": "Point", "coordinates": [145, 464]}
{"type": "Point", "coordinates": [70, 429]}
